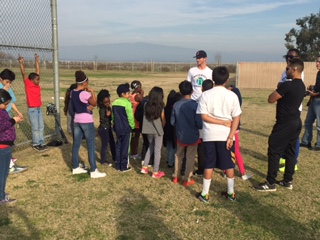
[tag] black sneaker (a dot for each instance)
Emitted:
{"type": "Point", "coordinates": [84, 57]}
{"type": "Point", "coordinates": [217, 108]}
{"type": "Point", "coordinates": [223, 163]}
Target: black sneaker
{"type": "Point", "coordinates": [126, 170]}
{"type": "Point", "coordinates": [37, 148]}
{"type": "Point", "coordinates": [43, 148]}
{"type": "Point", "coordinates": [317, 149]}
{"type": "Point", "coordinates": [287, 185]}
{"type": "Point", "coordinates": [266, 187]}
{"type": "Point", "coordinates": [231, 197]}
{"type": "Point", "coordinates": [305, 145]}
{"type": "Point", "coordinates": [204, 199]}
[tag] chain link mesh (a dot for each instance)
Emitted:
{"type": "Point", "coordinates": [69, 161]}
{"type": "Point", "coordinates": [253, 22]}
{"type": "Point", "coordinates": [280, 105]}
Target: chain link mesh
{"type": "Point", "coordinates": [26, 29]}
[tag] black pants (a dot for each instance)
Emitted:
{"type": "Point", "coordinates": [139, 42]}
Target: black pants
{"type": "Point", "coordinates": [282, 141]}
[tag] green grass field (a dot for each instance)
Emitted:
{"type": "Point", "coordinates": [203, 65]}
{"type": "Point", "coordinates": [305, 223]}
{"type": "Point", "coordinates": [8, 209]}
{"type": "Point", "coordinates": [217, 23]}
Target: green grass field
{"type": "Point", "coordinates": [54, 204]}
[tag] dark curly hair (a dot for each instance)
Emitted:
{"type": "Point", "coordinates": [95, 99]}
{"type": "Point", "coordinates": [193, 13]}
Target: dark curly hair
{"type": "Point", "coordinates": [104, 93]}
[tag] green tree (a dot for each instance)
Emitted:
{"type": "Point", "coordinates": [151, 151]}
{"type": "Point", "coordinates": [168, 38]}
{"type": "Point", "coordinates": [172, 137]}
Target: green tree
{"type": "Point", "coordinates": [306, 38]}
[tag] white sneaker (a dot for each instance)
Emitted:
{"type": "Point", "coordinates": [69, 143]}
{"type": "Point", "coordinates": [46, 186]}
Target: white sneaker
{"type": "Point", "coordinates": [78, 170]}
{"type": "Point", "coordinates": [97, 174]}
{"type": "Point", "coordinates": [246, 176]}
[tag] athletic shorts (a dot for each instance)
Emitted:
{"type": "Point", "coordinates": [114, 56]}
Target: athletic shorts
{"type": "Point", "coordinates": [218, 156]}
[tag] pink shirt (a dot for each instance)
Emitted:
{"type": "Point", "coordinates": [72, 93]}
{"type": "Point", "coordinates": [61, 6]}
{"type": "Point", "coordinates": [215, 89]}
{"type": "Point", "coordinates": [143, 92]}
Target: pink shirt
{"type": "Point", "coordinates": [84, 117]}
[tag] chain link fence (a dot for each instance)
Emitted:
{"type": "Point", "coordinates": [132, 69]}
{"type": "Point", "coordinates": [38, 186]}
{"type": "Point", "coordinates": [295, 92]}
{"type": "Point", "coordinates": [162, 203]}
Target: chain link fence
{"type": "Point", "coordinates": [26, 29]}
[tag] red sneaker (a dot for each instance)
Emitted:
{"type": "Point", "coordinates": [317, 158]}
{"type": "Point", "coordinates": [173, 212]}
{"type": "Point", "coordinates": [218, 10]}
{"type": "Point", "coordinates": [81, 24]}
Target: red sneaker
{"type": "Point", "coordinates": [175, 180]}
{"type": "Point", "coordinates": [158, 174]}
{"type": "Point", "coordinates": [187, 184]}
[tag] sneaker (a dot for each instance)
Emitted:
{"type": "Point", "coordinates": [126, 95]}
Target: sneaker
{"type": "Point", "coordinates": [204, 199]}
{"type": "Point", "coordinates": [97, 174]}
{"type": "Point", "coordinates": [246, 176]}
{"type": "Point", "coordinates": [188, 183]}
{"type": "Point", "coordinates": [170, 166]}
{"type": "Point", "coordinates": [107, 164]}
{"type": "Point", "coordinates": [282, 161]}
{"type": "Point", "coordinates": [17, 169]}
{"type": "Point", "coordinates": [144, 170]}
{"type": "Point", "coordinates": [266, 187]}
{"type": "Point", "coordinates": [282, 169]}
{"type": "Point", "coordinates": [82, 165]}
{"type": "Point", "coordinates": [78, 170]}
{"type": "Point", "coordinates": [13, 160]}
{"type": "Point", "coordinates": [305, 145]}
{"type": "Point", "coordinates": [287, 185]}
{"type": "Point", "coordinates": [43, 148]}
{"type": "Point", "coordinates": [231, 196]}
{"type": "Point", "coordinates": [136, 157]}
{"type": "Point", "coordinates": [7, 200]}
{"type": "Point", "coordinates": [197, 173]}
{"type": "Point", "coordinates": [126, 170]}
{"type": "Point", "coordinates": [175, 180]}
{"type": "Point", "coordinates": [36, 147]}
{"type": "Point", "coordinates": [158, 175]}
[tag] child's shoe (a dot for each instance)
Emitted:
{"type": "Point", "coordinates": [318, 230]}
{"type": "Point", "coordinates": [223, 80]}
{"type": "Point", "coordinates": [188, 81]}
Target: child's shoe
{"type": "Point", "coordinates": [189, 183]}
{"type": "Point", "coordinates": [158, 174]}
{"type": "Point", "coordinates": [78, 170]}
{"type": "Point", "coordinates": [204, 199]}
{"type": "Point", "coordinates": [231, 196]}
{"type": "Point", "coordinates": [144, 170]}
{"type": "Point", "coordinates": [282, 161]}
{"type": "Point", "coordinates": [97, 174]}
{"type": "Point", "coordinates": [175, 180]}
{"type": "Point", "coordinates": [282, 169]}
{"type": "Point", "coordinates": [246, 176]}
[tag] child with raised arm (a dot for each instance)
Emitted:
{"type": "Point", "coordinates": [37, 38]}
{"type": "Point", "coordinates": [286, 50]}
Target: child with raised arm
{"type": "Point", "coordinates": [33, 96]}
{"type": "Point", "coordinates": [219, 103]}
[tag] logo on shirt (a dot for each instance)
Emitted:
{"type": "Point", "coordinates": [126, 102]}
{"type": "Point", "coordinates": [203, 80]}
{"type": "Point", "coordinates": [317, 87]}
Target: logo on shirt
{"type": "Point", "coordinates": [200, 79]}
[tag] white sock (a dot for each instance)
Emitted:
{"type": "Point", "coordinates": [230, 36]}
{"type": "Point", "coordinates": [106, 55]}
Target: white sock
{"type": "Point", "coordinates": [230, 182]}
{"type": "Point", "coordinates": [11, 164]}
{"type": "Point", "coordinates": [206, 186]}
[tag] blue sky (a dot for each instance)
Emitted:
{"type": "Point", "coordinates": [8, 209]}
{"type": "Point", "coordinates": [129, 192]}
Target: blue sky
{"type": "Point", "coordinates": [220, 26]}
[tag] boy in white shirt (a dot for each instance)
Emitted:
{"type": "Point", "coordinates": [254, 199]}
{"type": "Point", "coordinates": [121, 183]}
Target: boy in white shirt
{"type": "Point", "coordinates": [215, 106]}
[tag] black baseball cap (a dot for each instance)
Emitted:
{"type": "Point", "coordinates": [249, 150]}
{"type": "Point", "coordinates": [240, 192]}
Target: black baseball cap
{"type": "Point", "coordinates": [200, 54]}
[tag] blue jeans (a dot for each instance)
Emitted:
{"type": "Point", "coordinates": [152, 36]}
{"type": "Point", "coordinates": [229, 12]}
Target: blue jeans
{"type": "Point", "coordinates": [312, 115]}
{"type": "Point", "coordinates": [87, 130]}
{"type": "Point", "coordinates": [5, 158]}
{"type": "Point", "coordinates": [171, 153]}
{"type": "Point", "coordinates": [37, 125]}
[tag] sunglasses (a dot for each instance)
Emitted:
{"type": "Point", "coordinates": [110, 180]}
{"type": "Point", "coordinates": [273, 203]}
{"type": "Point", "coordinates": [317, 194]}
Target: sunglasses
{"type": "Point", "coordinates": [290, 56]}
{"type": "Point", "coordinates": [288, 68]}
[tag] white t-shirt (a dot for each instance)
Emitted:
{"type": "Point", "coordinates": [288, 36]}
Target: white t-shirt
{"type": "Point", "coordinates": [219, 103]}
{"type": "Point", "coordinates": [196, 77]}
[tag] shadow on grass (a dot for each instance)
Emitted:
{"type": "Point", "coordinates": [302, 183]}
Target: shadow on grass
{"type": "Point", "coordinates": [8, 229]}
{"type": "Point", "coordinates": [140, 219]}
{"type": "Point", "coordinates": [254, 132]}
{"type": "Point", "coordinates": [254, 154]}
{"type": "Point", "coordinates": [269, 217]}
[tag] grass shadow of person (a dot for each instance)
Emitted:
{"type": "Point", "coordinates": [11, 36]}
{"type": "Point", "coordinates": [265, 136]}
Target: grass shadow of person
{"type": "Point", "coordinates": [10, 230]}
{"type": "Point", "coordinates": [143, 217]}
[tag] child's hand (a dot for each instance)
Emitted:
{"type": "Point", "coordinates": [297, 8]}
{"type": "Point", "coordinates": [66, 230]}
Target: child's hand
{"type": "Point", "coordinates": [229, 143]}
{"type": "Point", "coordinates": [90, 108]}
{"type": "Point", "coordinates": [18, 119]}
{"type": "Point", "coordinates": [20, 59]}
{"type": "Point", "coordinates": [108, 113]}
{"type": "Point", "coordinates": [227, 123]}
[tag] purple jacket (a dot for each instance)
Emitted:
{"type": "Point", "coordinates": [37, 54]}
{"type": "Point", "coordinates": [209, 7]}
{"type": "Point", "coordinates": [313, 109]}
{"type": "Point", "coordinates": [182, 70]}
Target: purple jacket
{"type": "Point", "coordinates": [7, 131]}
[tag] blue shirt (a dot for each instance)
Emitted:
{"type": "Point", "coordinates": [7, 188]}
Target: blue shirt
{"type": "Point", "coordinates": [13, 98]}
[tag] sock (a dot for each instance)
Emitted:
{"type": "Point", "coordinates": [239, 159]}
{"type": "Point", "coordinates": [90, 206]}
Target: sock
{"type": "Point", "coordinates": [206, 186]}
{"type": "Point", "coordinates": [230, 182]}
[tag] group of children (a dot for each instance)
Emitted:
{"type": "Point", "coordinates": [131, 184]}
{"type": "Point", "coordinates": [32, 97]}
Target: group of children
{"type": "Point", "coordinates": [178, 126]}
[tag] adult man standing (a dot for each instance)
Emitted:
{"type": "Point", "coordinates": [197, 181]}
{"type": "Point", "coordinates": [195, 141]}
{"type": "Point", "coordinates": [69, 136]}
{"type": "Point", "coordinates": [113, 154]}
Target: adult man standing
{"type": "Point", "coordinates": [313, 113]}
{"type": "Point", "coordinates": [198, 74]}
{"type": "Point", "coordinates": [285, 132]}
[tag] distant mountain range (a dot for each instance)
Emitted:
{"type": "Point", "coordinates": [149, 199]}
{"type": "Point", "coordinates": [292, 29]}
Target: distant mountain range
{"type": "Point", "coordinates": [143, 52]}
